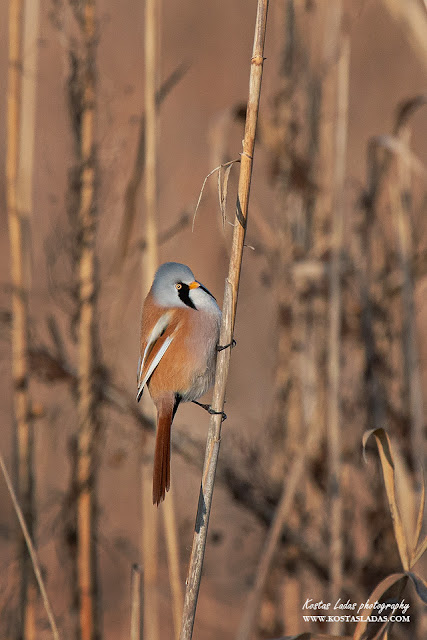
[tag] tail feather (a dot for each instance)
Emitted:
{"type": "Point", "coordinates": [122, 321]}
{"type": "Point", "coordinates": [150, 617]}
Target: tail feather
{"type": "Point", "coordinates": [161, 470]}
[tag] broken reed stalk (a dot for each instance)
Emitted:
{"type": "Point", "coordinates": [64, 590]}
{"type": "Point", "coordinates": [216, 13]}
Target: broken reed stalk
{"type": "Point", "coordinates": [31, 550]}
{"type": "Point", "coordinates": [227, 327]}
{"type": "Point", "coordinates": [149, 262]}
{"type": "Point", "coordinates": [334, 436]}
{"type": "Point", "coordinates": [88, 418]}
{"type": "Point", "coordinates": [18, 186]}
{"type": "Point", "coordinates": [290, 487]}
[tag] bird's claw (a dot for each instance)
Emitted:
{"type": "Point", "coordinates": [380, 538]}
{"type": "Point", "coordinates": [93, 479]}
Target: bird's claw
{"type": "Point", "coordinates": [212, 412]}
{"type": "Point", "coordinates": [230, 344]}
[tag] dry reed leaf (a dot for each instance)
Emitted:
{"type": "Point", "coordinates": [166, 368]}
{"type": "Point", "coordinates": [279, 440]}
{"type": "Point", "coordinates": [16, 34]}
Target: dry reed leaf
{"type": "Point", "coordinates": [399, 147]}
{"type": "Point", "coordinates": [382, 633]}
{"type": "Point", "coordinates": [222, 190]}
{"type": "Point", "coordinates": [387, 464]}
{"type": "Point", "coordinates": [419, 552]}
{"type": "Point", "coordinates": [421, 589]}
{"type": "Point", "coordinates": [419, 584]}
{"type": "Point", "coordinates": [376, 594]}
{"type": "Point", "coordinates": [406, 498]}
{"type": "Point", "coordinates": [418, 549]}
{"type": "Point", "coordinates": [406, 109]}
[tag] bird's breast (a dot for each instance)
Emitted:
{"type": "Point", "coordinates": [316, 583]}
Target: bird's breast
{"type": "Point", "coordinates": [188, 366]}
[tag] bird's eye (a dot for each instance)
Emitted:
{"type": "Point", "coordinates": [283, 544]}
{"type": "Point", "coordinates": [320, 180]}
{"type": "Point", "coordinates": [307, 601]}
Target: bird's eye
{"type": "Point", "coordinates": [178, 286]}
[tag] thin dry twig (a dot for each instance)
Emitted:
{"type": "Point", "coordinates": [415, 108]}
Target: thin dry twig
{"type": "Point", "coordinates": [222, 188]}
{"type": "Point", "coordinates": [31, 550]}
{"type": "Point", "coordinates": [227, 327]}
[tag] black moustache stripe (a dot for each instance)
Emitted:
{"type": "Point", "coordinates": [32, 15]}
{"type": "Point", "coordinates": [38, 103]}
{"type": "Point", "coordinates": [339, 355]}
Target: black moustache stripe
{"type": "Point", "coordinates": [184, 295]}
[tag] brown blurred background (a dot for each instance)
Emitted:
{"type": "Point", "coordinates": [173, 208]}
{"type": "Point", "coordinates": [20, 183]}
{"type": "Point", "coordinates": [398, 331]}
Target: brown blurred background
{"type": "Point", "coordinates": [278, 389]}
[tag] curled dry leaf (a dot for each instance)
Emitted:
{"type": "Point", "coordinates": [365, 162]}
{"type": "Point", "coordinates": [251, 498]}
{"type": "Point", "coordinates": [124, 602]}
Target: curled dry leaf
{"type": "Point", "coordinates": [222, 188]}
{"type": "Point", "coordinates": [387, 464]}
{"type": "Point", "coordinates": [376, 594]}
{"type": "Point", "coordinates": [398, 147]}
{"type": "Point", "coordinates": [419, 548]}
{"type": "Point", "coordinates": [419, 584]}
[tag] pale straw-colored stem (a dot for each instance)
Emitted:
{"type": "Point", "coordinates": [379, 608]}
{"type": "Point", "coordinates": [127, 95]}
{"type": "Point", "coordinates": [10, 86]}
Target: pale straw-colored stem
{"type": "Point", "coordinates": [25, 209]}
{"type": "Point", "coordinates": [87, 402]}
{"type": "Point", "coordinates": [135, 615]}
{"type": "Point", "coordinates": [18, 196]}
{"type": "Point", "coordinates": [334, 435]}
{"type": "Point", "coordinates": [173, 560]}
{"type": "Point", "coordinates": [149, 262]}
{"type": "Point", "coordinates": [402, 213]}
{"type": "Point", "coordinates": [227, 327]}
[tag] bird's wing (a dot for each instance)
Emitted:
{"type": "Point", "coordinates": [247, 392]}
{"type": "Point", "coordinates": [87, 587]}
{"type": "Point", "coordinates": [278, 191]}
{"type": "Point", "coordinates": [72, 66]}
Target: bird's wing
{"type": "Point", "coordinates": [156, 346]}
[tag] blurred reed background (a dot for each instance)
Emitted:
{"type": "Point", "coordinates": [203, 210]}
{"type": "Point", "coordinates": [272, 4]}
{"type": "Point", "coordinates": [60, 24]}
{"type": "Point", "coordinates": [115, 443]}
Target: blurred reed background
{"type": "Point", "coordinates": [115, 115]}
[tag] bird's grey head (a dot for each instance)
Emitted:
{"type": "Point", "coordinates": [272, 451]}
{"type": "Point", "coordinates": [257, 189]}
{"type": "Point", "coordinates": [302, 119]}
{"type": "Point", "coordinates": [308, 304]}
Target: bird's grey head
{"type": "Point", "coordinates": [174, 285]}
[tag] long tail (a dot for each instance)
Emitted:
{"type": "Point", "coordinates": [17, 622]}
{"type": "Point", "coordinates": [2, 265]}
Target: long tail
{"type": "Point", "coordinates": [161, 469]}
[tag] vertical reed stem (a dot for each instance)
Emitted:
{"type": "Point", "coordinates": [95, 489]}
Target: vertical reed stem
{"type": "Point", "coordinates": [135, 619]}
{"type": "Point", "coordinates": [149, 262]}
{"type": "Point", "coordinates": [400, 197]}
{"type": "Point", "coordinates": [25, 208]}
{"type": "Point", "coordinates": [227, 327]}
{"type": "Point", "coordinates": [173, 560]}
{"type": "Point", "coordinates": [334, 368]}
{"type": "Point", "coordinates": [19, 239]}
{"type": "Point", "coordinates": [87, 399]}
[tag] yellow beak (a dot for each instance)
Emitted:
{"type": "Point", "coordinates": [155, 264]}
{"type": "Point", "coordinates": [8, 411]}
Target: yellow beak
{"type": "Point", "coordinates": [194, 285]}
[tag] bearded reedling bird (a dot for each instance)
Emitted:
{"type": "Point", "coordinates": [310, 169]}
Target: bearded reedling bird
{"type": "Point", "coordinates": [179, 338]}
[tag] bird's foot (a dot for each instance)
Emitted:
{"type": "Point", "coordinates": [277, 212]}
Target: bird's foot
{"type": "Point", "coordinates": [212, 412]}
{"type": "Point", "coordinates": [230, 344]}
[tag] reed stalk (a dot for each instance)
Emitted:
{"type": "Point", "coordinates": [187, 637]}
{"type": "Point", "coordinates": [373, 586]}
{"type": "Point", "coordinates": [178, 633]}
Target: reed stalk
{"type": "Point", "coordinates": [149, 262]}
{"type": "Point", "coordinates": [25, 208]}
{"type": "Point", "coordinates": [20, 132]}
{"type": "Point", "coordinates": [173, 560]}
{"type": "Point", "coordinates": [411, 16]}
{"type": "Point", "coordinates": [335, 348]}
{"type": "Point", "coordinates": [402, 214]}
{"type": "Point", "coordinates": [135, 618]}
{"type": "Point", "coordinates": [87, 343]}
{"type": "Point", "coordinates": [227, 327]}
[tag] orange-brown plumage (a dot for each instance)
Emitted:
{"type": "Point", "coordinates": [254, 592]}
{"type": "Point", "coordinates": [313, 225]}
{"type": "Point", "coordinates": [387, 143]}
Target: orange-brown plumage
{"type": "Point", "coordinates": [179, 334]}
